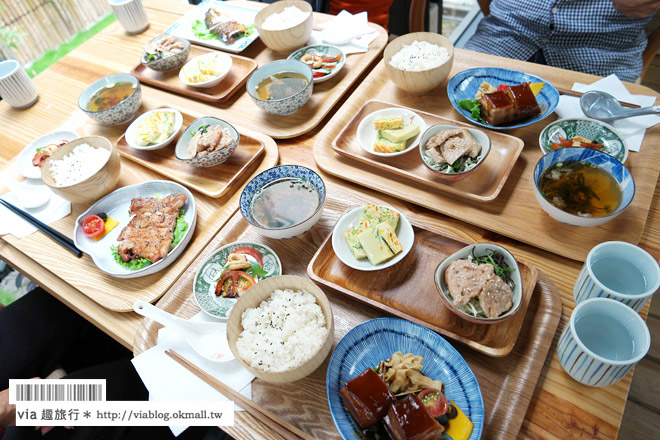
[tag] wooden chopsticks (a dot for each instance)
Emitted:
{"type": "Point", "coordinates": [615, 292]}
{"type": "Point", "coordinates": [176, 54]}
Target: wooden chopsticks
{"type": "Point", "coordinates": [569, 92]}
{"type": "Point", "coordinates": [60, 238]}
{"type": "Point", "coordinates": [277, 424]}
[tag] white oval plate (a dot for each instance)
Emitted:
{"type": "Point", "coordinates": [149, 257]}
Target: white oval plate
{"type": "Point", "coordinates": [366, 134]}
{"type": "Point", "coordinates": [404, 232]}
{"type": "Point", "coordinates": [130, 131]}
{"type": "Point", "coordinates": [24, 160]}
{"type": "Point", "coordinates": [116, 205]}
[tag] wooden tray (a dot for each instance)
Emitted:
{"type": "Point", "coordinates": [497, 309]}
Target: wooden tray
{"type": "Point", "coordinates": [484, 185]}
{"type": "Point", "coordinates": [507, 384]}
{"type": "Point", "coordinates": [241, 68]}
{"type": "Point", "coordinates": [407, 290]}
{"type": "Point", "coordinates": [212, 181]}
{"type": "Point", "coordinates": [515, 212]}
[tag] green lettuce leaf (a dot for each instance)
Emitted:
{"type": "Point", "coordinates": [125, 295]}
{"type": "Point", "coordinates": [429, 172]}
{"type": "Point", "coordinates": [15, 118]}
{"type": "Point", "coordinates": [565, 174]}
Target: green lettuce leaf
{"type": "Point", "coordinates": [200, 31]}
{"type": "Point", "coordinates": [473, 107]}
{"type": "Point", "coordinates": [180, 228]}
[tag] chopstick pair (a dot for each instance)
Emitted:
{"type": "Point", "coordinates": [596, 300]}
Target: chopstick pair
{"type": "Point", "coordinates": [570, 92]}
{"type": "Point", "coordinates": [277, 424]}
{"type": "Point", "coordinates": [60, 238]}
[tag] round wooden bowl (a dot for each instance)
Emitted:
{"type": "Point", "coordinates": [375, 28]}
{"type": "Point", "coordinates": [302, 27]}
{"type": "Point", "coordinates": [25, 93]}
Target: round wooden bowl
{"type": "Point", "coordinates": [418, 83]}
{"type": "Point", "coordinates": [285, 40]}
{"type": "Point", "coordinates": [92, 188]}
{"type": "Point", "coordinates": [262, 291]}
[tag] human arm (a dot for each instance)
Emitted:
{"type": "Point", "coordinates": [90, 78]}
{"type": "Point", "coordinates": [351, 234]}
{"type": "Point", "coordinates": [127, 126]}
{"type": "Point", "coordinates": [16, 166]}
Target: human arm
{"type": "Point", "coordinates": [634, 8]}
{"type": "Point", "coordinates": [7, 411]}
{"type": "Point", "coordinates": [485, 6]}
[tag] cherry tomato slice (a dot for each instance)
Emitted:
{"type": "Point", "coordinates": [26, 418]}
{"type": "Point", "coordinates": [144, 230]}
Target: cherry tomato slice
{"type": "Point", "coordinates": [233, 283]}
{"type": "Point", "coordinates": [252, 252]}
{"type": "Point", "coordinates": [318, 74]}
{"type": "Point", "coordinates": [434, 401]}
{"type": "Point", "coordinates": [93, 226]}
{"type": "Point", "coordinates": [502, 88]}
{"type": "Point", "coordinates": [565, 142]}
{"type": "Point", "coordinates": [556, 146]}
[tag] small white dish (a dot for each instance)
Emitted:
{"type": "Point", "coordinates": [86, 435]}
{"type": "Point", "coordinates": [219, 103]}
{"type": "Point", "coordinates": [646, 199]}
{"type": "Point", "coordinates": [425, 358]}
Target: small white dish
{"type": "Point", "coordinates": [404, 232]}
{"type": "Point", "coordinates": [130, 131]}
{"type": "Point", "coordinates": [224, 60]}
{"type": "Point", "coordinates": [366, 134]}
{"type": "Point", "coordinates": [24, 160]}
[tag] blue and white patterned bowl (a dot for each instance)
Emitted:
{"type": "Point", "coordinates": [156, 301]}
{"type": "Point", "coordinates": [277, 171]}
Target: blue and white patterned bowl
{"type": "Point", "coordinates": [118, 114]}
{"type": "Point", "coordinates": [170, 61]}
{"type": "Point", "coordinates": [596, 131]}
{"type": "Point", "coordinates": [465, 84]}
{"type": "Point", "coordinates": [595, 157]}
{"type": "Point", "coordinates": [208, 160]}
{"type": "Point", "coordinates": [373, 341]}
{"type": "Point", "coordinates": [265, 177]}
{"type": "Point", "coordinates": [290, 104]}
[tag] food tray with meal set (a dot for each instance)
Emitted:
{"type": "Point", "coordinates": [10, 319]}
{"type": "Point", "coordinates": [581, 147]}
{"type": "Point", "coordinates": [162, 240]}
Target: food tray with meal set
{"type": "Point", "coordinates": [515, 212]}
{"type": "Point", "coordinates": [215, 181]}
{"type": "Point", "coordinates": [489, 177]}
{"type": "Point", "coordinates": [519, 372]}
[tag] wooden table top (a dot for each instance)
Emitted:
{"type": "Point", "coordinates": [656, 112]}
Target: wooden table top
{"type": "Point", "coordinates": [548, 416]}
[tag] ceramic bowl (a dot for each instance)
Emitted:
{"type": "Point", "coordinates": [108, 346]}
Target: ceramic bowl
{"type": "Point", "coordinates": [120, 113]}
{"type": "Point", "coordinates": [209, 160]}
{"type": "Point", "coordinates": [479, 136]}
{"type": "Point", "coordinates": [24, 161]}
{"type": "Point", "coordinates": [130, 131]}
{"type": "Point", "coordinates": [224, 61]}
{"type": "Point", "coordinates": [404, 233]}
{"type": "Point", "coordinates": [169, 61]}
{"type": "Point", "coordinates": [271, 175]}
{"type": "Point", "coordinates": [595, 157]}
{"type": "Point", "coordinates": [367, 134]}
{"type": "Point", "coordinates": [284, 106]}
{"type": "Point", "coordinates": [261, 292]}
{"type": "Point", "coordinates": [324, 50]}
{"type": "Point", "coordinates": [285, 40]}
{"type": "Point", "coordinates": [480, 249]}
{"type": "Point", "coordinates": [596, 131]}
{"type": "Point", "coordinates": [93, 187]}
{"type": "Point", "coordinates": [418, 83]}
{"type": "Point", "coordinates": [465, 84]}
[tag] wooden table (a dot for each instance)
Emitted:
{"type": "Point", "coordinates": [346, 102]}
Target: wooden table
{"type": "Point", "coordinates": [560, 407]}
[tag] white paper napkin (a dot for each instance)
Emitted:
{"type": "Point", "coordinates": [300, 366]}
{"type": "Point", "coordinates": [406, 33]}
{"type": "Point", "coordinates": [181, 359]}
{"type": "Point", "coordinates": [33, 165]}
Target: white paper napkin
{"type": "Point", "coordinates": [166, 380]}
{"type": "Point", "coordinates": [632, 129]}
{"type": "Point", "coordinates": [55, 209]}
{"type": "Point", "coordinates": [345, 25]}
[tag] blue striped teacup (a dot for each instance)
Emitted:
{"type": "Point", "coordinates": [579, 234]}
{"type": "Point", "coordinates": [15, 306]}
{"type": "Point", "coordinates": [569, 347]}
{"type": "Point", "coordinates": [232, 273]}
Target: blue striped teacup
{"type": "Point", "coordinates": [602, 342]}
{"type": "Point", "coordinates": [618, 270]}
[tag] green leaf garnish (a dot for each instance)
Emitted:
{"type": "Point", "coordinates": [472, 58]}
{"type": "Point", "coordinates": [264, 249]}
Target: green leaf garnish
{"type": "Point", "coordinates": [473, 107]}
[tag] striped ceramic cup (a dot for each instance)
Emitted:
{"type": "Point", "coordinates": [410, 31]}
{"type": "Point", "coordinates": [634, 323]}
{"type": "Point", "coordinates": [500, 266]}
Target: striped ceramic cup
{"type": "Point", "coordinates": [602, 341]}
{"type": "Point", "coordinates": [131, 14]}
{"type": "Point", "coordinates": [16, 87]}
{"type": "Point", "coordinates": [618, 270]}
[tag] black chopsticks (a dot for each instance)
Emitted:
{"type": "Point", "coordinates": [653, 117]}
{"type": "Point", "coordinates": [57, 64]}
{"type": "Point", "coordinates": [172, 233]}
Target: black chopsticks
{"type": "Point", "coordinates": [62, 239]}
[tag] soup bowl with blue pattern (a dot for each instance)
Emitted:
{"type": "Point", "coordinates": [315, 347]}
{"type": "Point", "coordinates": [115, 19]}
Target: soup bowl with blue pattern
{"type": "Point", "coordinates": [284, 201]}
{"type": "Point", "coordinates": [592, 158]}
{"type": "Point", "coordinates": [120, 113]}
{"type": "Point", "coordinates": [283, 106]}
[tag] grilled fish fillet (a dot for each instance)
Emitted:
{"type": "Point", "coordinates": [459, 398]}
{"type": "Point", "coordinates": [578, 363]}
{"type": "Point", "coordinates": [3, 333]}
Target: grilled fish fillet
{"type": "Point", "coordinates": [150, 232]}
{"type": "Point", "coordinates": [223, 25]}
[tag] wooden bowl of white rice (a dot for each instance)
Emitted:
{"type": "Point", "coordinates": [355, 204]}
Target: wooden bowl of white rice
{"type": "Point", "coordinates": [285, 25]}
{"type": "Point", "coordinates": [83, 170]}
{"type": "Point", "coordinates": [419, 62]}
{"type": "Point", "coordinates": [281, 329]}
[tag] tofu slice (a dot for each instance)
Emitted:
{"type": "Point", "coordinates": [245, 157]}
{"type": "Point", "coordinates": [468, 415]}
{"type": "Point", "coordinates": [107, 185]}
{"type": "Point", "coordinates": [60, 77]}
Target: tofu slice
{"type": "Point", "coordinates": [352, 237]}
{"type": "Point", "coordinates": [380, 243]}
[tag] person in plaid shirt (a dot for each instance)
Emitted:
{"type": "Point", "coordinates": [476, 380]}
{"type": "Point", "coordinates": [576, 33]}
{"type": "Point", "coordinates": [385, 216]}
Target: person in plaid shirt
{"type": "Point", "coordinates": [600, 37]}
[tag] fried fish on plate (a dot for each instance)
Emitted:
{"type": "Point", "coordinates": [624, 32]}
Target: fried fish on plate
{"type": "Point", "coordinates": [222, 25]}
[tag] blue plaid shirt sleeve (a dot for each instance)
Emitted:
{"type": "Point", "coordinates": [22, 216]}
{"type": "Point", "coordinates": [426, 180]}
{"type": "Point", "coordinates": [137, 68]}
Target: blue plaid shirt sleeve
{"type": "Point", "coordinates": [582, 35]}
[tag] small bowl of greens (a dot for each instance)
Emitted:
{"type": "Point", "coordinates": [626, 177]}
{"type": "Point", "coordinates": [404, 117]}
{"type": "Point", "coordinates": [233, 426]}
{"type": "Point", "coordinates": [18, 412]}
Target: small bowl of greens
{"type": "Point", "coordinates": [481, 283]}
{"type": "Point", "coordinates": [453, 152]}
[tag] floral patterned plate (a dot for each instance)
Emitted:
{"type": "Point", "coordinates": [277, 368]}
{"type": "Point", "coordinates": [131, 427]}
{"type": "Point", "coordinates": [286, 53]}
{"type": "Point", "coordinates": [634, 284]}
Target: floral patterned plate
{"type": "Point", "coordinates": [596, 131]}
{"type": "Point", "coordinates": [321, 74]}
{"type": "Point", "coordinates": [210, 270]}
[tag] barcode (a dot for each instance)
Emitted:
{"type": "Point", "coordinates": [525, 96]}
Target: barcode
{"type": "Point", "coordinates": [58, 390]}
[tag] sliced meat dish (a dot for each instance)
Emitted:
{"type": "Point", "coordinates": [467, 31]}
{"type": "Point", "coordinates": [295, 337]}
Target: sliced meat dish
{"type": "Point", "coordinates": [495, 297]}
{"type": "Point", "coordinates": [150, 232]}
{"type": "Point", "coordinates": [450, 145]}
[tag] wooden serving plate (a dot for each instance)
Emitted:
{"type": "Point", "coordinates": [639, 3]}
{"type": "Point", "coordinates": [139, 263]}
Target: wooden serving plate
{"type": "Point", "coordinates": [507, 383]}
{"type": "Point", "coordinates": [241, 68]}
{"type": "Point", "coordinates": [407, 290]}
{"type": "Point", "coordinates": [483, 185]}
{"type": "Point", "coordinates": [213, 181]}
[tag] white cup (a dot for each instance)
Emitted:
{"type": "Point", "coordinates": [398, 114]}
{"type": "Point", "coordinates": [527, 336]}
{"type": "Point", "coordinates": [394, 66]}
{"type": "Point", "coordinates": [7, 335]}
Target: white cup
{"type": "Point", "coordinates": [16, 87]}
{"type": "Point", "coordinates": [618, 270]}
{"type": "Point", "coordinates": [602, 341]}
{"type": "Point", "coordinates": [131, 14]}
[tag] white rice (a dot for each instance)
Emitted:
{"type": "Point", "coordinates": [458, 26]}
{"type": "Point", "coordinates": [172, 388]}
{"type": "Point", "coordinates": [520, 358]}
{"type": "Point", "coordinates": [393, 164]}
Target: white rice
{"type": "Point", "coordinates": [289, 17]}
{"type": "Point", "coordinates": [283, 332]}
{"type": "Point", "coordinates": [81, 163]}
{"type": "Point", "coordinates": [419, 56]}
